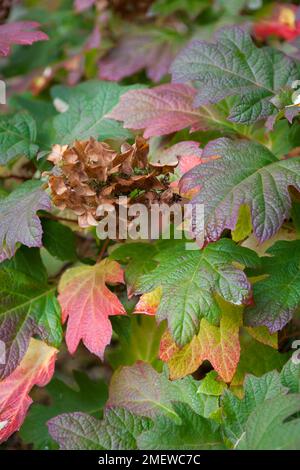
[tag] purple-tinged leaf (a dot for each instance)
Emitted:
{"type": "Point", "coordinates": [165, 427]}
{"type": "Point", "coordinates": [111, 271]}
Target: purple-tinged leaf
{"type": "Point", "coordinates": [283, 278]}
{"type": "Point", "coordinates": [242, 173]}
{"type": "Point", "coordinates": [160, 110]}
{"type": "Point", "coordinates": [28, 307]}
{"type": "Point", "coordinates": [234, 66]}
{"type": "Point", "coordinates": [19, 33]}
{"type": "Point", "coordinates": [80, 431]}
{"type": "Point", "coordinates": [135, 53]}
{"type": "Point", "coordinates": [19, 221]}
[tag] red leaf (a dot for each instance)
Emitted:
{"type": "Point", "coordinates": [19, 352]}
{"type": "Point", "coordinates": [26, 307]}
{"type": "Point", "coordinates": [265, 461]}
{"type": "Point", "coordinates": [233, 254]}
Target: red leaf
{"type": "Point", "coordinates": [36, 368]}
{"type": "Point", "coordinates": [19, 33]}
{"type": "Point", "coordinates": [160, 110]}
{"type": "Point", "coordinates": [87, 302]}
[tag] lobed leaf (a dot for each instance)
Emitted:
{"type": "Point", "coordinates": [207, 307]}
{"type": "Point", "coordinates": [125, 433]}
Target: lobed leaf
{"type": "Point", "coordinates": [234, 66]}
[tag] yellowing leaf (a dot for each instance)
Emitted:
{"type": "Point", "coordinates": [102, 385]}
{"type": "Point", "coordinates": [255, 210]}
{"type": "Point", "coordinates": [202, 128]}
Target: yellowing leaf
{"type": "Point", "coordinates": [243, 227]}
{"type": "Point", "coordinates": [87, 303]}
{"type": "Point", "coordinates": [218, 344]}
{"type": "Point", "coordinates": [149, 302]}
{"type": "Point", "coordinates": [36, 368]}
{"type": "Point", "coordinates": [263, 335]}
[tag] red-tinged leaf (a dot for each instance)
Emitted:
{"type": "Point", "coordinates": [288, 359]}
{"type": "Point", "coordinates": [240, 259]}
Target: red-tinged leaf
{"type": "Point", "coordinates": [19, 33]}
{"type": "Point", "coordinates": [221, 345]}
{"type": "Point", "coordinates": [81, 5]}
{"type": "Point", "coordinates": [218, 344]}
{"type": "Point", "coordinates": [149, 302]}
{"type": "Point", "coordinates": [87, 303]}
{"type": "Point", "coordinates": [36, 368]}
{"type": "Point", "coordinates": [161, 110]}
{"type": "Point", "coordinates": [246, 173]}
{"type": "Point", "coordinates": [136, 52]}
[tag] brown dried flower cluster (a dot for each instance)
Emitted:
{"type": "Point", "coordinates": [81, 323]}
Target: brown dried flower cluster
{"type": "Point", "coordinates": [88, 174]}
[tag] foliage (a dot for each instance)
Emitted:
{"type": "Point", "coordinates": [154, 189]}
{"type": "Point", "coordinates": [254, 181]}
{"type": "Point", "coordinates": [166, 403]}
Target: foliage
{"type": "Point", "coordinates": [174, 344]}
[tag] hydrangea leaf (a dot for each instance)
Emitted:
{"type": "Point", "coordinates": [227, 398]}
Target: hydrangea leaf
{"type": "Point", "coordinates": [145, 392]}
{"type": "Point", "coordinates": [28, 307]}
{"type": "Point", "coordinates": [256, 391]}
{"type": "Point", "coordinates": [149, 303]}
{"type": "Point", "coordinates": [234, 66]}
{"type": "Point", "coordinates": [256, 359]}
{"type": "Point", "coordinates": [263, 335]}
{"type": "Point", "coordinates": [59, 240]}
{"type": "Point", "coordinates": [36, 368]}
{"type": "Point", "coordinates": [190, 279]}
{"type": "Point", "coordinates": [219, 345]}
{"type": "Point", "coordinates": [283, 277]}
{"type": "Point", "coordinates": [89, 396]}
{"type": "Point", "coordinates": [254, 177]}
{"type": "Point", "coordinates": [210, 385]}
{"type": "Point", "coordinates": [193, 432]}
{"type": "Point", "coordinates": [151, 50]}
{"type": "Point", "coordinates": [19, 32]}
{"type": "Point", "coordinates": [290, 376]}
{"type": "Point", "coordinates": [139, 259]}
{"type": "Point", "coordinates": [141, 344]}
{"type": "Point", "coordinates": [273, 425]}
{"type": "Point", "coordinates": [87, 303]}
{"type": "Point", "coordinates": [79, 431]}
{"type": "Point", "coordinates": [86, 115]}
{"type": "Point", "coordinates": [19, 221]}
{"type": "Point", "coordinates": [160, 110]}
{"type": "Point", "coordinates": [17, 137]}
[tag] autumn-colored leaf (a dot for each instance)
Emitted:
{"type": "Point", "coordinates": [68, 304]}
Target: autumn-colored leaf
{"type": "Point", "coordinates": [161, 110]}
{"type": "Point", "coordinates": [254, 177]}
{"type": "Point", "coordinates": [19, 221]}
{"type": "Point", "coordinates": [87, 304]}
{"type": "Point", "coordinates": [190, 280]}
{"type": "Point", "coordinates": [36, 368]}
{"type": "Point", "coordinates": [20, 32]}
{"type": "Point", "coordinates": [137, 51]}
{"type": "Point", "coordinates": [148, 303]}
{"type": "Point", "coordinates": [218, 344]}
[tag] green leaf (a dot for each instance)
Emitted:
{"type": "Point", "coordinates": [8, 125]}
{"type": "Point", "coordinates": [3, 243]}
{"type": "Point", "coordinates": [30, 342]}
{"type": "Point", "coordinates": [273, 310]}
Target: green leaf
{"type": "Point", "coordinates": [272, 426]}
{"type": "Point", "coordinates": [254, 177]}
{"type": "Point", "coordinates": [142, 343]}
{"type": "Point", "coordinates": [139, 259]}
{"type": "Point", "coordinates": [145, 392]}
{"type": "Point", "coordinates": [86, 113]}
{"type": "Point", "coordinates": [283, 277]}
{"type": "Point", "coordinates": [257, 359]}
{"type": "Point", "coordinates": [256, 391]}
{"type": "Point", "coordinates": [78, 431]}
{"type": "Point", "coordinates": [192, 433]}
{"type": "Point", "coordinates": [234, 66]}
{"type": "Point", "coordinates": [190, 279]}
{"type": "Point", "coordinates": [19, 220]}
{"type": "Point", "coordinates": [28, 307]}
{"type": "Point", "coordinates": [210, 386]}
{"type": "Point", "coordinates": [89, 396]}
{"type": "Point", "coordinates": [290, 376]}
{"type": "Point", "coordinates": [59, 240]}
{"type": "Point", "coordinates": [17, 137]}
